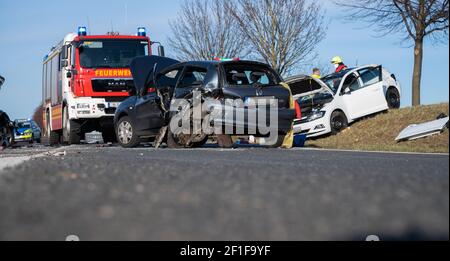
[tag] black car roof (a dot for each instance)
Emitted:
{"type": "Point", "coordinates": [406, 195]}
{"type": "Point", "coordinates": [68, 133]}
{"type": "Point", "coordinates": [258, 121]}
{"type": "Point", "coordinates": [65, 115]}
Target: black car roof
{"type": "Point", "coordinates": [209, 63]}
{"type": "Point", "coordinates": [206, 64]}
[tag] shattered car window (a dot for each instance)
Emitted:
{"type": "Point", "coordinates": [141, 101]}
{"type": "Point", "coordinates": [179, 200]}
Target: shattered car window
{"type": "Point", "coordinates": [169, 79]}
{"type": "Point", "coordinates": [333, 83]}
{"type": "Point", "coordinates": [334, 80]}
{"type": "Point", "coordinates": [193, 76]}
{"type": "Point", "coordinates": [242, 75]}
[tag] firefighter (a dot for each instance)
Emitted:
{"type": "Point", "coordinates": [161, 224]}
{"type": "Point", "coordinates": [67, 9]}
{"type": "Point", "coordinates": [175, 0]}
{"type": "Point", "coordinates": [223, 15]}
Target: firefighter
{"type": "Point", "coordinates": [316, 73]}
{"type": "Point", "coordinates": [339, 64]}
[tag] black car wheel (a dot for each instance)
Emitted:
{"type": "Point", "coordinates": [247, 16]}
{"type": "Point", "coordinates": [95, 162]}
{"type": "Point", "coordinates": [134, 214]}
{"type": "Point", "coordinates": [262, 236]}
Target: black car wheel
{"type": "Point", "coordinates": [172, 141]}
{"type": "Point", "coordinates": [393, 98]}
{"type": "Point", "coordinates": [126, 135]}
{"type": "Point", "coordinates": [338, 122]}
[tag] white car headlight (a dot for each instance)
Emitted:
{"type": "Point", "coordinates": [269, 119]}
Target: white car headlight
{"type": "Point", "coordinates": [316, 115]}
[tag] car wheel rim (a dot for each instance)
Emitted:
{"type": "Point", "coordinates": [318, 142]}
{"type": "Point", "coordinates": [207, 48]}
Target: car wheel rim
{"type": "Point", "coordinates": [393, 98]}
{"type": "Point", "coordinates": [337, 123]}
{"type": "Point", "coordinates": [125, 132]}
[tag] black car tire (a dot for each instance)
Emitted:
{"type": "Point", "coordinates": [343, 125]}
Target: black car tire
{"type": "Point", "coordinates": [7, 138]}
{"type": "Point", "coordinates": [393, 98]}
{"type": "Point", "coordinates": [124, 124]}
{"type": "Point", "coordinates": [172, 142]}
{"type": "Point", "coordinates": [71, 130]}
{"type": "Point", "coordinates": [200, 143]}
{"type": "Point", "coordinates": [338, 122]}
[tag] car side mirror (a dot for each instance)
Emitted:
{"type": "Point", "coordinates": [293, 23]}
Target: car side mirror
{"type": "Point", "coordinates": [346, 91]}
{"type": "Point", "coordinates": [161, 51]}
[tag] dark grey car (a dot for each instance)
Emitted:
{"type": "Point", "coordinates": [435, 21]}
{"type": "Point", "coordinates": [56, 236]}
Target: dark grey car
{"type": "Point", "coordinates": [159, 82]}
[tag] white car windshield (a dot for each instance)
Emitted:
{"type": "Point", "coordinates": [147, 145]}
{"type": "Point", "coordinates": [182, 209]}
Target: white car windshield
{"type": "Point", "coordinates": [334, 80]}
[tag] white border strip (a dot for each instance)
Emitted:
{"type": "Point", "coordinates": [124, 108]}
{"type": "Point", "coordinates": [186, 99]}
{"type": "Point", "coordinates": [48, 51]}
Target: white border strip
{"type": "Point", "coordinates": [10, 162]}
{"type": "Point", "coordinates": [377, 152]}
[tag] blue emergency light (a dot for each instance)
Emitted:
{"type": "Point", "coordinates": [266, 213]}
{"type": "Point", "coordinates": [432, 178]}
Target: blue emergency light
{"type": "Point", "coordinates": [82, 31]}
{"type": "Point", "coordinates": [142, 31]}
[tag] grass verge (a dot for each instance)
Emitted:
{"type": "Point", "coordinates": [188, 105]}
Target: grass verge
{"type": "Point", "coordinates": [378, 133]}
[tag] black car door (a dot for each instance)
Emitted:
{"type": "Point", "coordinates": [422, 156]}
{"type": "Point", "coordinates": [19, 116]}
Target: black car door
{"type": "Point", "coordinates": [149, 114]}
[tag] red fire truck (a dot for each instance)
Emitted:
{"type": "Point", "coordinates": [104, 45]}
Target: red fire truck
{"type": "Point", "coordinates": [85, 77]}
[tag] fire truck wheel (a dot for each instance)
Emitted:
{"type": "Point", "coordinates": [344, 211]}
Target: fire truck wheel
{"type": "Point", "coordinates": [53, 136]}
{"type": "Point", "coordinates": [126, 136]}
{"type": "Point", "coordinates": [71, 130]}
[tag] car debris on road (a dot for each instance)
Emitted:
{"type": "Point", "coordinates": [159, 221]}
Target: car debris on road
{"type": "Point", "coordinates": [423, 130]}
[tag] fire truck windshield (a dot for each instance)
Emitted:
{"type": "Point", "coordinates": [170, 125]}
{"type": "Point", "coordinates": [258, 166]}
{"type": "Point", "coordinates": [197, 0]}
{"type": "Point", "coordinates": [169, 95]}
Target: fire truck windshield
{"type": "Point", "coordinates": [110, 53]}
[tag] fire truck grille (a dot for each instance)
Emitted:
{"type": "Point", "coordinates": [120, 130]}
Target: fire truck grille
{"type": "Point", "coordinates": [112, 85]}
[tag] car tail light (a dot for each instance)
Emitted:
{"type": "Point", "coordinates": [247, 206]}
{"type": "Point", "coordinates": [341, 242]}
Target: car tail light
{"type": "Point", "coordinates": [298, 111]}
{"type": "Point", "coordinates": [151, 90]}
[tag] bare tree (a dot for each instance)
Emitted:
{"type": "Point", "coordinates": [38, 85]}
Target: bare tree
{"type": "Point", "coordinates": [418, 20]}
{"type": "Point", "coordinates": [284, 33]}
{"type": "Point", "coordinates": [205, 30]}
{"type": "Point", "coordinates": [38, 116]}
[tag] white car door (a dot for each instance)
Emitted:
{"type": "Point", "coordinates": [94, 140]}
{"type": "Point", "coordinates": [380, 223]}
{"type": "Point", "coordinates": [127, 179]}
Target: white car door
{"type": "Point", "coordinates": [363, 93]}
{"type": "Point", "coordinates": [372, 80]}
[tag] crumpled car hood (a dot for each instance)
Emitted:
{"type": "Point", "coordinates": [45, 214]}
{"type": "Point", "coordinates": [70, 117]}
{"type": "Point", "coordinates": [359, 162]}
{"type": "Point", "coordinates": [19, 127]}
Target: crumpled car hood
{"type": "Point", "coordinates": [316, 100]}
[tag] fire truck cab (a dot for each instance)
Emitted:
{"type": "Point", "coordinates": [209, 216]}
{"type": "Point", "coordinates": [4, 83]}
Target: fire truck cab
{"type": "Point", "coordinates": [85, 78]}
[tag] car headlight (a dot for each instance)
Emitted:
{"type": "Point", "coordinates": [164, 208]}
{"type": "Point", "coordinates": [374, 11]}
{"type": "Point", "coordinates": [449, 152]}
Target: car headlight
{"type": "Point", "coordinates": [316, 115]}
{"type": "Point", "coordinates": [83, 106]}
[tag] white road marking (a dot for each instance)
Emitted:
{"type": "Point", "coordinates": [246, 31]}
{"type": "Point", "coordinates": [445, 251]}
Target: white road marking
{"type": "Point", "coordinates": [10, 162]}
{"type": "Point", "coordinates": [377, 152]}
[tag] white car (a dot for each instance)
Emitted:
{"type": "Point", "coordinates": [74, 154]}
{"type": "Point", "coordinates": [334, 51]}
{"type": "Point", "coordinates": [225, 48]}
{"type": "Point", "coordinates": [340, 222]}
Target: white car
{"type": "Point", "coordinates": [329, 104]}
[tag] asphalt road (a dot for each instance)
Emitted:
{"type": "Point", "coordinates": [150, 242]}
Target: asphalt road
{"type": "Point", "coordinates": [110, 193]}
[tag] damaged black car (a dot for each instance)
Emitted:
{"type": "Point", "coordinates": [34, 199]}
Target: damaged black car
{"type": "Point", "coordinates": [185, 103]}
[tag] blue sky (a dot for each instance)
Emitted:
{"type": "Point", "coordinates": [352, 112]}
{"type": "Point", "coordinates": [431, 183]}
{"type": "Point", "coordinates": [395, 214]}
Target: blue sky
{"type": "Point", "coordinates": [28, 29]}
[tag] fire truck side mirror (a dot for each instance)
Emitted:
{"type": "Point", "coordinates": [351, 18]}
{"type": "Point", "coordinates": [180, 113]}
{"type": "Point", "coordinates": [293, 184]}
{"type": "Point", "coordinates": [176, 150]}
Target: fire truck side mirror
{"type": "Point", "coordinates": [161, 51]}
{"type": "Point", "coordinates": [65, 52]}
